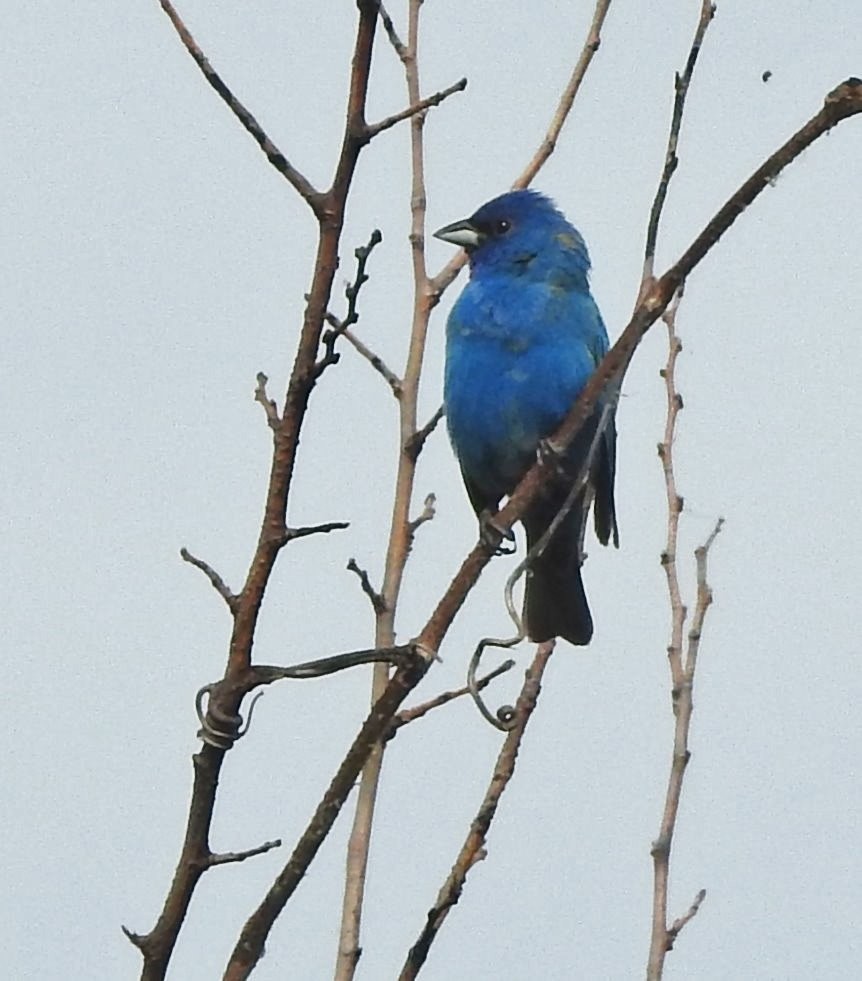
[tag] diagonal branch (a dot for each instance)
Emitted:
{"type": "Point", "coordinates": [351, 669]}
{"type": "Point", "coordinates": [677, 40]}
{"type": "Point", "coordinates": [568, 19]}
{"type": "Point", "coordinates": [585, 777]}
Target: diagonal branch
{"type": "Point", "coordinates": [420, 106]}
{"type": "Point", "coordinates": [157, 946]}
{"type": "Point", "coordinates": [447, 274]}
{"type": "Point", "coordinates": [671, 161]}
{"type": "Point", "coordinates": [842, 103]}
{"type": "Point", "coordinates": [473, 849]}
{"type": "Point", "coordinates": [301, 184]}
{"type": "Point", "coordinates": [218, 584]}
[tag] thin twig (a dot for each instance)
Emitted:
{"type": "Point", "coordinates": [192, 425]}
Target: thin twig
{"type": "Point", "coordinates": [377, 601]}
{"type": "Point", "coordinates": [473, 849]}
{"type": "Point", "coordinates": [218, 584]}
{"type": "Point", "coordinates": [680, 921]}
{"type": "Point", "coordinates": [671, 161]}
{"type": "Point", "coordinates": [228, 858]}
{"type": "Point", "coordinates": [362, 254]}
{"type": "Point", "coordinates": [427, 513]}
{"type": "Point", "coordinates": [567, 99]}
{"type": "Point", "coordinates": [423, 104]}
{"type": "Point", "coordinates": [376, 362]}
{"type": "Point", "coordinates": [305, 188]}
{"type": "Point", "coordinates": [413, 446]}
{"type": "Point", "coordinates": [447, 274]}
{"type": "Point", "coordinates": [682, 671]}
{"type": "Point", "coordinates": [292, 533]}
{"type": "Point", "coordinates": [418, 711]}
{"type": "Point", "coordinates": [392, 34]}
{"type": "Point", "coordinates": [269, 407]}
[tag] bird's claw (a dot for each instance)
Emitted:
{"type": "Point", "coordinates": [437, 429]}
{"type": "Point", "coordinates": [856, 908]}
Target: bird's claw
{"type": "Point", "coordinates": [491, 534]}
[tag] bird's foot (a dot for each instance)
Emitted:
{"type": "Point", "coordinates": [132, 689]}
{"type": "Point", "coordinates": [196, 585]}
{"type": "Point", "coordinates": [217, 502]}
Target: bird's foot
{"type": "Point", "coordinates": [549, 452]}
{"type": "Point", "coordinates": [492, 535]}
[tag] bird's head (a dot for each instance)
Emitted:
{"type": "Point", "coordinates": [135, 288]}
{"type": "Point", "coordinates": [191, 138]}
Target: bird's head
{"type": "Point", "coordinates": [520, 232]}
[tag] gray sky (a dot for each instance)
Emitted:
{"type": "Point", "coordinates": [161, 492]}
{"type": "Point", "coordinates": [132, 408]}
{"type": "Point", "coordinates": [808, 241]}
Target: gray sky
{"type": "Point", "coordinates": [154, 262]}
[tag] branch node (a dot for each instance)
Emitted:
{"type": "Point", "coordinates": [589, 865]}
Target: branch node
{"type": "Point", "coordinates": [218, 584]}
{"type": "Point", "coordinates": [378, 604]}
{"type": "Point", "coordinates": [269, 406]}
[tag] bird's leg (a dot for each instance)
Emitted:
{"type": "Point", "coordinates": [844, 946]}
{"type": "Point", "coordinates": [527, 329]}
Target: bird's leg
{"type": "Point", "coordinates": [492, 535]}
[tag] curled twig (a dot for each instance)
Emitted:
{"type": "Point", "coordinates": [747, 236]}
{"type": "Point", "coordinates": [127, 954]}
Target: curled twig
{"type": "Point", "coordinates": [418, 711]}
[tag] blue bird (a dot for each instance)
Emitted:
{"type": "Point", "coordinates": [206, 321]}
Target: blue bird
{"type": "Point", "coordinates": [522, 340]}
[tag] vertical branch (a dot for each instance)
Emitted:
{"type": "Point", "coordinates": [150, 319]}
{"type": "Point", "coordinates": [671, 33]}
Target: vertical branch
{"type": "Point", "coordinates": [399, 529]}
{"type": "Point", "coordinates": [682, 668]}
{"type": "Point", "coordinates": [224, 702]}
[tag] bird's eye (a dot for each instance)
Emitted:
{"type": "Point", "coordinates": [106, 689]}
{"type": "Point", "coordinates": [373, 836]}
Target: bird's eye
{"type": "Point", "coordinates": [502, 226]}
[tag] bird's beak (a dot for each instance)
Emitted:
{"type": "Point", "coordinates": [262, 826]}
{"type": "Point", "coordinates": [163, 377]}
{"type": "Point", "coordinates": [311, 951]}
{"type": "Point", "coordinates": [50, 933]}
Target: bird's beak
{"type": "Point", "coordinates": [461, 233]}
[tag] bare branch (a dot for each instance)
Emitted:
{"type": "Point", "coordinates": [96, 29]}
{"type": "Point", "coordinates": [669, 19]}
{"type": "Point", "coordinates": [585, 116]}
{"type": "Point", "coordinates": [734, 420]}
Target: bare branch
{"type": "Point", "coordinates": [413, 446]}
{"type": "Point", "coordinates": [418, 711]}
{"type": "Point", "coordinates": [567, 99]}
{"type": "Point", "coordinates": [227, 858]}
{"type": "Point", "coordinates": [269, 406]}
{"type": "Point", "coordinates": [377, 601]}
{"type": "Point", "coordinates": [674, 930]}
{"type": "Point", "coordinates": [681, 84]}
{"type": "Point", "coordinates": [392, 34]}
{"type": "Point", "coordinates": [301, 184]}
{"type": "Point", "coordinates": [443, 279]}
{"type": "Point", "coordinates": [157, 946]}
{"type": "Point", "coordinates": [218, 584]}
{"type": "Point", "coordinates": [362, 254]}
{"type": "Point", "coordinates": [426, 514]}
{"type": "Point", "coordinates": [324, 529]}
{"type": "Point", "coordinates": [376, 362]}
{"type": "Point", "coordinates": [420, 106]}
{"type": "Point", "coordinates": [473, 849]}
{"type": "Point", "coordinates": [682, 674]}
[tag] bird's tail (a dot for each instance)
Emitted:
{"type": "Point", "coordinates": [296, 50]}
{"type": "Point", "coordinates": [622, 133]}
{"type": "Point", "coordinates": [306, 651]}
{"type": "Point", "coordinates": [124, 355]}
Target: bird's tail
{"type": "Point", "coordinates": [555, 604]}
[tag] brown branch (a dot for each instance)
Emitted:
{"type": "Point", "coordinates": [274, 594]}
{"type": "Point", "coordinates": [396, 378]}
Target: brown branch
{"type": "Point", "coordinates": [423, 104]}
{"type": "Point", "coordinates": [567, 99]}
{"type": "Point", "coordinates": [269, 406]}
{"type": "Point", "coordinates": [301, 184]}
{"type": "Point", "coordinates": [844, 102]}
{"type": "Point", "coordinates": [292, 533]}
{"type": "Point", "coordinates": [218, 584]}
{"type": "Point", "coordinates": [427, 513]}
{"type": "Point", "coordinates": [377, 601]}
{"type": "Point", "coordinates": [680, 921]}
{"type": "Point", "coordinates": [413, 446]}
{"type": "Point", "coordinates": [400, 536]}
{"type": "Point", "coordinates": [418, 711]}
{"type": "Point", "coordinates": [396, 42]}
{"type": "Point", "coordinates": [362, 255]}
{"type": "Point", "coordinates": [671, 161]}
{"type": "Point", "coordinates": [376, 362]}
{"type": "Point", "coordinates": [329, 208]}
{"type": "Point", "coordinates": [228, 858]}
{"type": "Point", "coordinates": [447, 274]}
{"type": "Point", "coordinates": [682, 671]}
{"type": "Point", "coordinates": [249, 947]}
{"type": "Point", "coordinates": [473, 849]}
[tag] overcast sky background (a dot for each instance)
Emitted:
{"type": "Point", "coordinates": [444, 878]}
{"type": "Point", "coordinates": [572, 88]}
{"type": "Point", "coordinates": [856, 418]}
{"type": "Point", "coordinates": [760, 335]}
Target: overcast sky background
{"type": "Point", "coordinates": [153, 262]}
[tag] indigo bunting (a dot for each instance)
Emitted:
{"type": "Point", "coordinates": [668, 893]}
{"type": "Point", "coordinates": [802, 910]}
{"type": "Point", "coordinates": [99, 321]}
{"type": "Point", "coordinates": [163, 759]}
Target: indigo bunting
{"type": "Point", "coordinates": [521, 341]}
